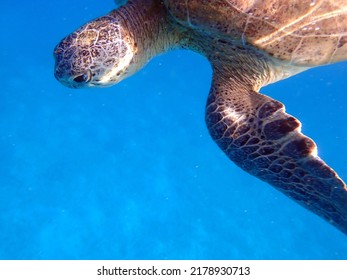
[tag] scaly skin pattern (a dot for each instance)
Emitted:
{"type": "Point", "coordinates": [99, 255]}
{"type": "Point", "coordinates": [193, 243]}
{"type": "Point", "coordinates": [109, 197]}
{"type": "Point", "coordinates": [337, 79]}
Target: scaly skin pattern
{"type": "Point", "coordinates": [93, 51]}
{"type": "Point", "coordinates": [249, 44]}
{"type": "Point", "coordinates": [255, 132]}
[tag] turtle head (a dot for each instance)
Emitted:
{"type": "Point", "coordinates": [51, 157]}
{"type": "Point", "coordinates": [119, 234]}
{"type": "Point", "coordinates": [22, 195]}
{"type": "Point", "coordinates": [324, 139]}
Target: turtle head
{"type": "Point", "coordinates": [100, 53]}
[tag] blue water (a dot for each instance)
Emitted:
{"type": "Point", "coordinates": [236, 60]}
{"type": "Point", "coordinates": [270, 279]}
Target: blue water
{"type": "Point", "coordinates": [130, 172]}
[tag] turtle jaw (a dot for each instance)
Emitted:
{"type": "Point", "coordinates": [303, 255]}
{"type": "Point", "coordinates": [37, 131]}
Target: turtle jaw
{"type": "Point", "coordinates": [72, 80]}
{"type": "Point", "coordinates": [78, 81]}
{"type": "Point", "coordinates": [85, 79]}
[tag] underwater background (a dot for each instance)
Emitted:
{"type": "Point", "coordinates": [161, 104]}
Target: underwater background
{"type": "Point", "coordinates": [130, 172]}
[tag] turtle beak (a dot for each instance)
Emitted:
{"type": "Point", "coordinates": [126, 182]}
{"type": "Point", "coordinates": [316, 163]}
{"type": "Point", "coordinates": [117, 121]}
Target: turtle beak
{"type": "Point", "coordinates": [65, 75]}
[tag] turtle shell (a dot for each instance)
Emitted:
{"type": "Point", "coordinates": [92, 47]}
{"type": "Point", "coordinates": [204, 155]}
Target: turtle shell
{"type": "Point", "coordinates": [303, 32]}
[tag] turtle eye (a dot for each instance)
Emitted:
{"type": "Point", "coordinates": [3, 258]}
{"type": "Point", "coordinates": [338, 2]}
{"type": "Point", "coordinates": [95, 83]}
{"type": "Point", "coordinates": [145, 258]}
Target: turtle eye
{"type": "Point", "coordinates": [84, 78]}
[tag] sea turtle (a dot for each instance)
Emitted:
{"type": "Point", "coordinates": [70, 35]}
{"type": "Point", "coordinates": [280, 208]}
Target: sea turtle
{"type": "Point", "coordinates": [249, 44]}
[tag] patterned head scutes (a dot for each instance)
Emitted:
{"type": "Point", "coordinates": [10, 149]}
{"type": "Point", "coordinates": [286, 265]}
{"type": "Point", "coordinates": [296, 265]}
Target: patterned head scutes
{"type": "Point", "coordinates": [97, 54]}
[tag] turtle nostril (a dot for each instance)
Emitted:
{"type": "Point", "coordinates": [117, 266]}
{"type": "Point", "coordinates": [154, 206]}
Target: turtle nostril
{"type": "Point", "coordinates": [84, 78]}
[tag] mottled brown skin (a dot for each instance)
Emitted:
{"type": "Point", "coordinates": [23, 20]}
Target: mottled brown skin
{"type": "Point", "coordinates": [249, 44]}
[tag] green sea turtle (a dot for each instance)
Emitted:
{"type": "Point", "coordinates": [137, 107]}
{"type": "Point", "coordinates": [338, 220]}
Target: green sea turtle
{"type": "Point", "coordinates": [249, 44]}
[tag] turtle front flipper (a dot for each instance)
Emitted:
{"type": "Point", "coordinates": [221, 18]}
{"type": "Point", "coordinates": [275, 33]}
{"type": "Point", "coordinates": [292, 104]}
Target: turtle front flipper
{"type": "Point", "coordinates": [256, 133]}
